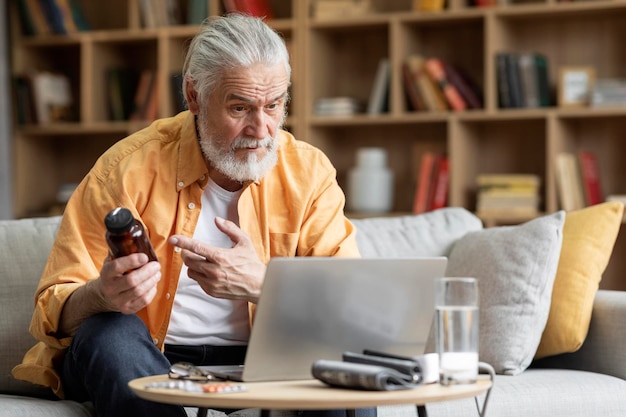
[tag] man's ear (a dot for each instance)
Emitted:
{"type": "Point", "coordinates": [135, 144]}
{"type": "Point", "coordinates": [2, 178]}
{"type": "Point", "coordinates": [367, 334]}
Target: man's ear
{"type": "Point", "coordinates": [191, 95]}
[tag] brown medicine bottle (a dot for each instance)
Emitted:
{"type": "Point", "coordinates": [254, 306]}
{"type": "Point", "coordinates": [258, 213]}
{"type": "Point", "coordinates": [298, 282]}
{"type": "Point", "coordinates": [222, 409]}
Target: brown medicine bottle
{"type": "Point", "coordinates": [126, 235]}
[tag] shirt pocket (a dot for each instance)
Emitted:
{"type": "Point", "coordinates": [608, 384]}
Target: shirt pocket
{"type": "Point", "coordinates": [283, 244]}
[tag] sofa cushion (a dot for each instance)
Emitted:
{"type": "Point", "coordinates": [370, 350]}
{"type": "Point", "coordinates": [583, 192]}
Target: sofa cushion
{"type": "Point", "coordinates": [545, 393]}
{"type": "Point", "coordinates": [515, 267]}
{"type": "Point", "coordinates": [428, 234]}
{"type": "Point", "coordinates": [13, 406]}
{"type": "Point", "coordinates": [25, 246]}
{"type": "Point", "coordinates": [588, 238]}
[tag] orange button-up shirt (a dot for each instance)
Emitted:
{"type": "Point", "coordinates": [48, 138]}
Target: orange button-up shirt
{"type": "Point", "coordinates": [159, 173]}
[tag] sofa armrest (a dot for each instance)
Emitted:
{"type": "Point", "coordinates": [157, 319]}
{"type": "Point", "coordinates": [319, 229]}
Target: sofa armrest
{"type": "Point", "coordinates": [603, 350]}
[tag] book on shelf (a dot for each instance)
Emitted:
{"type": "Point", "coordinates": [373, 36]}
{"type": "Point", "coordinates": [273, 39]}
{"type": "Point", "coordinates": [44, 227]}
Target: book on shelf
{"type": "Point", "coordinates": [258, 8]}
{"type": "Point", "coordinates": [379, 94]}
{"type": "Point", "coordinates": [608, 92]}
{"type": "Point", "coordinates": [160, 13]}
{"type": "Point", "coordinates": [515, 81]}
{"type": "Point", "coordinates": [52, 97]}
{"type": "Point", "coordinates": [414, 99]}
{"type": "Point", "coordinates": [441, 184]}
{"type": "Point", "coordinates": [432, 95]}
{"type": "Point", "coordinates": [522, 80]}
{"type": "Point", "coordinates": [144, 95]}
{"type": "Point", "coordinates": [436, 70]}
{"type": "Point", "coordinates": [197, 11]}
{"type": "Point", "coordinates": [513, 194]}
{"type": "Point", "coordinates": [338, 106]}
{"type": "Point", "coordinates": [509, 81]}
{"type": "Point", "coordinates": [590, 177]}
{"type": "Point", "coordinates": [43, 17]}
{"type": "Point", "coordinates": [176, 85]}
{"type": "Point", "coordinates": [467, 87]}
{"type": "Point", "coordinates": [121, 86]}
{"type": "Point", "coordinates": [23, 102]}
{"type": "Point", "coordinates": [432, 182]}
{"type": "Point", "coordinates": [530, 81]}
{"type": "Point", "coordinates": [569, 182]}
{"type": "Point", "coordinates": [54, 17]}
{"type": "Point", "coordinates": [429, 5]}
{"type": "Point", "coordinates": [333, 9]}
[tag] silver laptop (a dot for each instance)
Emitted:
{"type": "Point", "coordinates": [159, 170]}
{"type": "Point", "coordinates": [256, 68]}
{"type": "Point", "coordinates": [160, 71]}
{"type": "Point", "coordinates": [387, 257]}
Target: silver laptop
{"type": "Point", "coordinates": [318, 307]}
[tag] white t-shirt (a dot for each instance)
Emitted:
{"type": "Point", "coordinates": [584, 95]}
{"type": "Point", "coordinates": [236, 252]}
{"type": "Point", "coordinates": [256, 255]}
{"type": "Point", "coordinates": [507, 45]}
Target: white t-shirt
{"type": "Point", "coordinates": [198, 318]}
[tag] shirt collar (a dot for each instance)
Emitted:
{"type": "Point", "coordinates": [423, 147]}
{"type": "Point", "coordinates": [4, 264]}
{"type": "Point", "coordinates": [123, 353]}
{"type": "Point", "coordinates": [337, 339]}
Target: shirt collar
{"type": "Point", "coordinates": [191, 164]}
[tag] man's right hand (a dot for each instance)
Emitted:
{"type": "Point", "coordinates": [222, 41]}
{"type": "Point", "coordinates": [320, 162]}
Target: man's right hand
{"type": "Point", "coordinates": [129, 283]}
{"type": "Point", "coordinates": [125, 285]}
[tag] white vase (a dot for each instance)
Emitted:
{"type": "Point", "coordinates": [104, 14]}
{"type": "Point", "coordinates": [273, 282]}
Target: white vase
{"type": "Point", "coordinates": [370, 182]}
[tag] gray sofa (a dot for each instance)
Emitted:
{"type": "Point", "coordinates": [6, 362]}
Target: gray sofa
{"type": "Point", "coordinates": [590, 382]}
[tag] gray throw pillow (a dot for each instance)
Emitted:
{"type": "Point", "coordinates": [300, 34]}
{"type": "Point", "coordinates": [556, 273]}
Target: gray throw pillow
{"type": "Point", "coordinates": [515, 267]}
{"type": "Point", "coordinates": [428, 234]}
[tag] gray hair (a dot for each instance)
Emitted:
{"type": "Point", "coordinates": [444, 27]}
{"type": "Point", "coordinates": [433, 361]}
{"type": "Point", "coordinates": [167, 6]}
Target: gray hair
{"type": "Point", "coordinates": [227, 42]}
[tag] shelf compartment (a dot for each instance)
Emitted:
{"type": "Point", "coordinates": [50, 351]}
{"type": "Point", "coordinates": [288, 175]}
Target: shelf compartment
{"type": "Point", "coordinates": [43, 163]}
{"type": "Point", "coordinates": [501, 146]}
{"type": "Point", "coordinates": [404, 142]}
{"type": "Point", "coordinates": [459, 41]}
{"type": "Point", "coordinates": [604, 136]}
{"type": "Point", "coordinates": [349, 60]}
{"type": "Point", "coordinates": [133, 55]}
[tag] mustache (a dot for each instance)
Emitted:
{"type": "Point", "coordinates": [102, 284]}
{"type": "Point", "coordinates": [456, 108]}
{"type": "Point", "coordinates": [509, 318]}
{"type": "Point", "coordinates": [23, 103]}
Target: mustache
{"type": "Point", "coordinates": [246, 142]}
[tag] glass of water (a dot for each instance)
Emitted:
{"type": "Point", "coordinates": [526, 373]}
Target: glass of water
{"type": "Point", "coordinates": [456, 312]}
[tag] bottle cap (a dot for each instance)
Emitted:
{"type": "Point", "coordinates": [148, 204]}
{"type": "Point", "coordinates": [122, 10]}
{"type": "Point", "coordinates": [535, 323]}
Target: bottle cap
{"type": "Point", "coordinates": [119, 220]}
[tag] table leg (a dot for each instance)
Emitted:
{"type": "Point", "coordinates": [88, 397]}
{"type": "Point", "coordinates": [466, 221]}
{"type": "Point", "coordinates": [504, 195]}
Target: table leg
{"type": "Point", "coordinates": [350, 412]}
{"type": "Point", "coordinates": [421, 411]}
{"type": "Point", "coordinates": [202, 411]}
{"type": "Point", "coordinates": [265, 413]}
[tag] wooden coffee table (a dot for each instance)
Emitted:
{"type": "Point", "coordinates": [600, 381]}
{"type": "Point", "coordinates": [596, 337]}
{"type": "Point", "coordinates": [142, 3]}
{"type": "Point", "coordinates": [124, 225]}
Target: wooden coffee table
{"type": "Point", "coordinates": [308, 394]}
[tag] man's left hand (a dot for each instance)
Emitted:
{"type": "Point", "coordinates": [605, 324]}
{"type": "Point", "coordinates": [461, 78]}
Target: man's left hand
{"type": "Point", "coordinates": [233, 273]}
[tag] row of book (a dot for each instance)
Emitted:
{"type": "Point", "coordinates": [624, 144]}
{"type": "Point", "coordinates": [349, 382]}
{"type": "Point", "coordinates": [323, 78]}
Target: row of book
{"type": "Point", "coordinates": [522, 80]}
{"type": "Point", "coordinates": [608, 92]}
{"type": "Point", "coordinates": [45, 17]}
{"type": "Point", "coordinates": [433, 84]}
{"type": "Point", "coordinates": [159, 13]}
{"type": "Point", "coordinates": [133, 95]}
{"type": "Point", "coordinates": [507, 195]}
{"type": "Point", "coordinates": [433, 181]}
{"type": "Point", "coordinates": [42, 97]}
{"type": "Point", "coordinates": [578, 179]}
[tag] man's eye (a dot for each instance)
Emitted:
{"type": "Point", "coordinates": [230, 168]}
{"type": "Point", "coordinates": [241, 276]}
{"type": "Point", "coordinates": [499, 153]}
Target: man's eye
{"type": "Point", "coordinates": [239, 108]}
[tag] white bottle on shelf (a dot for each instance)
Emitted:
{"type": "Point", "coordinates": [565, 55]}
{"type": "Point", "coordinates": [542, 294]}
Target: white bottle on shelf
{"type": "Point", "coordinates": [370, 182]}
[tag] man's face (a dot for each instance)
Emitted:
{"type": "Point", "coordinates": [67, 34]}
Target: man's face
{"type": "Point", "coordinates": [238, 126]}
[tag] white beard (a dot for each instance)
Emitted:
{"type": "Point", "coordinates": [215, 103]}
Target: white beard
{"type": "Point", "coordinates": [224, 160]}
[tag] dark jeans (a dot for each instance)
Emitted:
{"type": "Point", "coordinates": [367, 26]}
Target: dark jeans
{"type": "Point", "coordinates": [110, 349]}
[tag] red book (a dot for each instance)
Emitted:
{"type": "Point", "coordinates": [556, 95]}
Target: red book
{"type": "Point", "coordinates": [258, 8]}
{"type": "Point", "coordinates": [424, 182]}
{"type": "Point", "coordinates": [467, 87]}
{"type": "Point", "coordinates": [590, 176]}
{"type": "Point", "coordinates": [436, 70]}
{"type": "Point", "coordinates": [441, 184]}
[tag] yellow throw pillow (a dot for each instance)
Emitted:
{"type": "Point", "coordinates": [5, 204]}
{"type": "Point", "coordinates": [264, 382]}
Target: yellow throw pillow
{"type": "Point", "coordinates": [588, 238]}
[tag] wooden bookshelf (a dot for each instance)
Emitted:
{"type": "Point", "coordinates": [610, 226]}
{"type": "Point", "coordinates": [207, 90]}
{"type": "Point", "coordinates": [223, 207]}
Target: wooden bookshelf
{"type": "Point", "coordinates": [338, 57]}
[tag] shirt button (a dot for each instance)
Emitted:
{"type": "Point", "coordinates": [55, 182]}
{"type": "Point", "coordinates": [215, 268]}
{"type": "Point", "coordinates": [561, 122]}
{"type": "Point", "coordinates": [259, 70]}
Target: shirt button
{"type": "Point", "coordinates": [168, 296]}
{"type": "Point", "coordinates": [177, 249]}
{"type": "Point", "coordinates": [181, 184]}
{"type": "Point", "coordinates": [155, 341]}
{"type": "Point", "coordinates": [191, 206]}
